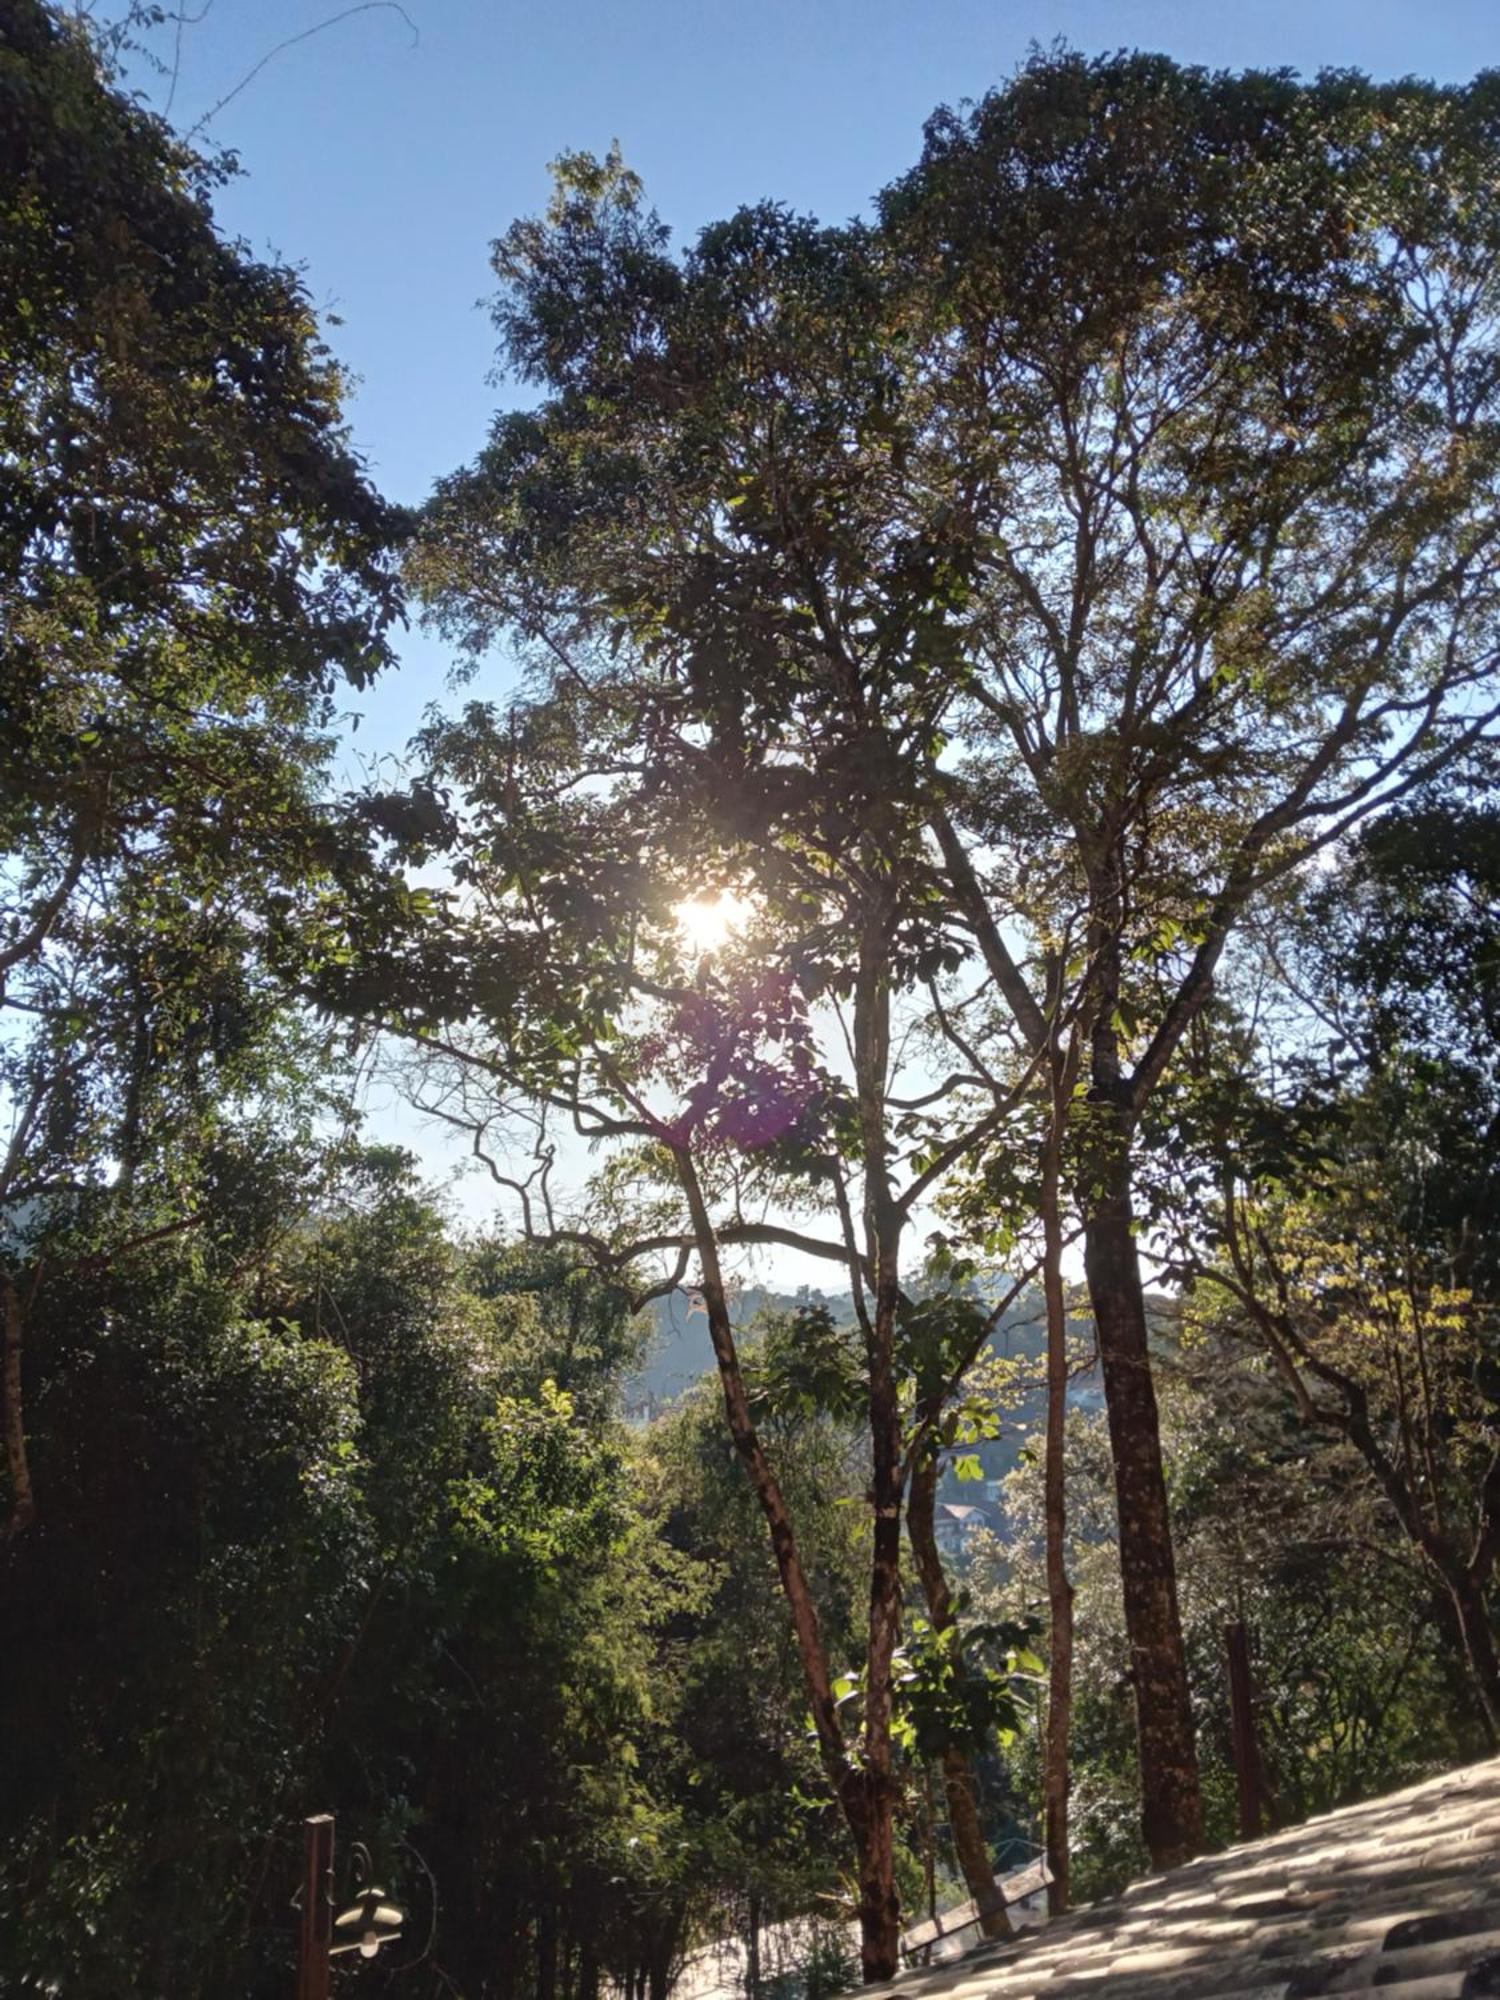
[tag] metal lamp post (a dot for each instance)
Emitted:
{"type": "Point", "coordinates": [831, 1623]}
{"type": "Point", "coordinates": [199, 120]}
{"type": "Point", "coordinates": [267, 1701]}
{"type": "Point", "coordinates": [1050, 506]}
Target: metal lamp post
{"type": "Point", "coordinates": [368, 1923]}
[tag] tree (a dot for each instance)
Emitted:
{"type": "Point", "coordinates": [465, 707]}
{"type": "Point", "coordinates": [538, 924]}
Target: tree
{"type": "Point", "coordinates": [179, 1604]}
{"type": "Point", "coordinates": [191, 562]}
{"type": "Point", "coordinates": [1223, 594]}
{"type": "Point", "coordinates": [566, 984]}
{"type": "Point", "coordinates": [1359, 1681]}
{"type": "Point", "coordinates": [190, 555]}
{"type": "Point", "coordinates": [824, 846]}
{"type": "Point", "coordinates": [324, 1530]}
{"type": "Point", "coordinates": [738, 1754]}
{"type": "Point", "coordinates": [1188, 552]}
{"type": "Point", "coordinates": [1355, 1180]}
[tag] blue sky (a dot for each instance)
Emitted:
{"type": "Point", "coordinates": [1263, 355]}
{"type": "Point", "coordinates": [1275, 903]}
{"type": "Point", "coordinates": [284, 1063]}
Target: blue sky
{"type": "Point", "coordinates": [384, 168]}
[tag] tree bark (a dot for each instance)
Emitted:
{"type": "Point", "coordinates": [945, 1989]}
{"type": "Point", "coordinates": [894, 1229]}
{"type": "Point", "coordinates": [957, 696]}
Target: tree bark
{"type": "Point", "coordinates": [865, 1792]}
{"type": "Point", "coordinates": [752, 1949]}
{"type": "Point", "coordinates": [13, 1414]}
{"type": "Point", "coordinates": [958, 1780]}
{"type": "Point", "coordinates": [970, 1846]}
{"type": "Point", "coordinates": [663, 1952]}
{"type": "Point", "coordinates": [1249, 1784]}
{"type": "Point", "coordinates": [546, 1952]}
{"type": "Point", "coordinates": [879, 1905]}
{"type": "Point", "coordinates": [1479, 1645]}
{"type": "Point", "coordinates": [1171, 1801]}
{"type": "Point", "coordinates": [752, 1455]}
{"type": "Point", "coordinates": [1056, 1774]}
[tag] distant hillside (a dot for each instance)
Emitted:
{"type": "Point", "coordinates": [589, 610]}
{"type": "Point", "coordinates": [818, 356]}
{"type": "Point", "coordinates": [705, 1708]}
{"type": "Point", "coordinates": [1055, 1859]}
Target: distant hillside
{"type": "Point", "coordinates": [679, 1353]}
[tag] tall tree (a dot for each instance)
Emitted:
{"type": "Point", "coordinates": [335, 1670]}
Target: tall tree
{"type": "Point", "coordinates": [568, 982]}
{"type": "Point", "coordinates": [191, 564]}
{"type": "Point", "coordinates": [1208, 386]}
{"type": "Point", "coordinates": [1101, 589]}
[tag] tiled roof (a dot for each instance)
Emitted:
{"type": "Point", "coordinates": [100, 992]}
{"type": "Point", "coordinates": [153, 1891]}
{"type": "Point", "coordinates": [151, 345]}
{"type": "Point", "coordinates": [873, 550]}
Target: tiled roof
{"type": "Point", "coordinates": [1398, 1899]}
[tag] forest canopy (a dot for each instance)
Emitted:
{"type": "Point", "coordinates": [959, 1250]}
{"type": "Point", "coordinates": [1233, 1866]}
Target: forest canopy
{"type": "Point", "coordinates": [977, 767]}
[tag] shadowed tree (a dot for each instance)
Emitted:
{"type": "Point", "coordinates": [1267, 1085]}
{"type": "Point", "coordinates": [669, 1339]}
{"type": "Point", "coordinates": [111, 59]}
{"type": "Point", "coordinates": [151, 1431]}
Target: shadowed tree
{"type": "Point", "coordinates": [191, 564]}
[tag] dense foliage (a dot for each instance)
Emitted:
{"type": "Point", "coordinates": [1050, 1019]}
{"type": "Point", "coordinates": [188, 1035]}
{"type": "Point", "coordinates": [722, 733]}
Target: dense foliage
{"type": "Point", "coordinates": [1004, 761]}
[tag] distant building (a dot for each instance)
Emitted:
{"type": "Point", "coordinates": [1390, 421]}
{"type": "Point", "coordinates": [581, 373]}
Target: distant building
{"type": "Point", "coordinates": [955, 1526]}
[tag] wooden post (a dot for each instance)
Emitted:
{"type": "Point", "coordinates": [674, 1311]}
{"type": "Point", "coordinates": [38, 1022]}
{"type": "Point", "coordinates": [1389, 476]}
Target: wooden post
{"type": "Point", "coordinates": [317, 1908]}
{"type": "Point", "coordinates": [1242, 1725]}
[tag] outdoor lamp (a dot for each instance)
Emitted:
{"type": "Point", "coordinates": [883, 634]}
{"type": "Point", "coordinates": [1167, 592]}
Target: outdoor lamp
{"type": "Point", "coordinates": [368, 1923]}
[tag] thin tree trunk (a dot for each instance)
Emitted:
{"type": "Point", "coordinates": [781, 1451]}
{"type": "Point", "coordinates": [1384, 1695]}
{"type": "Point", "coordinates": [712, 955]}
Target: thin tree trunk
{"type": "Point", "coordinates": [865, 1793]}
{"type": "Point", "coordinates": [1056, 1773]}
{"type": "Point", "coordinates": [768, 1492]}
{"type": "Point", "coordinates": [752, 1950]}
{"type": "Point", "coordinates": [970, 1846]}
{"type": "Point", "coordinates": [879, 1904]}
{"type": "Point", "coordinates": [958, 1782]}
{"type": "Point", "coordinates": [1479, 1647]}
{"type": "Point", "coordinates": [866, 1786]}
{"type": "Point", "coordinates": [546, 1952]}
{"type": "Point", "coordinates": [13, 1415]}
{"type": "Point", "coordinates": [929, 1853]}
{"type": "Point", "coordinates": [1171, 1801]}
{"type": "Point", "coordinates": [663, 1953]}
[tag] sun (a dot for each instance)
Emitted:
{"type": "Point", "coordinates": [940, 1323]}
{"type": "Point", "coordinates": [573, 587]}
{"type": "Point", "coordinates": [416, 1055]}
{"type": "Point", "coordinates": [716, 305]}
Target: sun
{"type": "Point", "coordinates": [707, 923]}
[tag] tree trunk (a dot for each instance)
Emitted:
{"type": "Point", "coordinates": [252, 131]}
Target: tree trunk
{"type": "Point", "coordinates": [879, 1905]}
{"type": "Point", "coordinates": [546, 1953]}
{"type": "Point", "coordinates": [1479, 1646]}
{"type": "Point", "coordinates": [929, 1853]}
{"type": "Point", "coordinates": [1249, 1783]}
{"type": "Point", "coordinates": [865, 1791]}
{"type": "Point", "coordinates": [663, 1953]}
{"type": "Point", "coordinates": [970, 1846]}
{"type": "Point", "coordinates": [13, 1415]}
{"type": "Point", "coordinates": [506, 1955]}
{"type": "Point", "coordinates": [958, 1780]}
{"type": "Point", "coordinates": [879, 1902]}
{"type": "Point", "coordinates": [1171, 1802]}
{"type": "Point", "coordinates": [752, 1950]}
{"type": "Point", "coordinates": [1055, 1767]}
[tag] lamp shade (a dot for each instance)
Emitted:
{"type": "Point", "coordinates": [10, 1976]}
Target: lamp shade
{"type": "Point", "coordinates": [368, 1924]}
